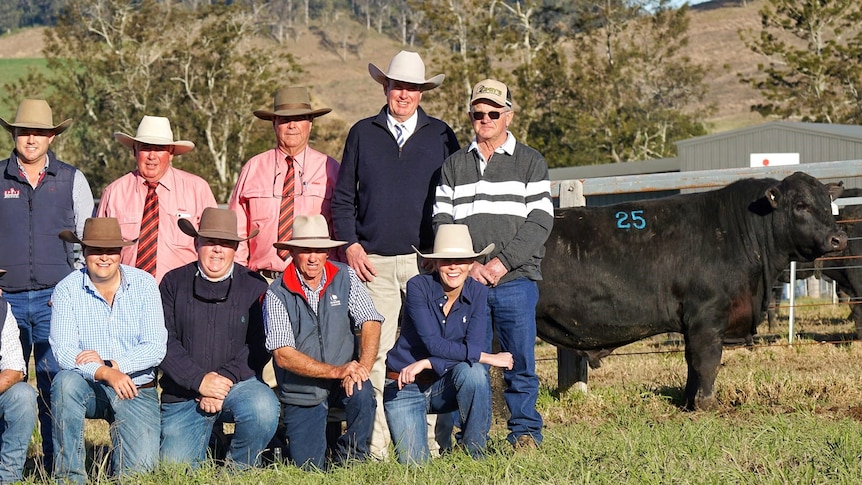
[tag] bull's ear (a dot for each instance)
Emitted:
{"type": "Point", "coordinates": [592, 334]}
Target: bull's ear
{"type": "Point", "coordinates": [773, 195]}
{"type": "Point", "coordinates": [835, 190]}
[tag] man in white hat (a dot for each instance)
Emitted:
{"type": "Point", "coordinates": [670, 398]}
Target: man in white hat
{"type": "Point", "coordinates": [311, 315]}
{"type": "Point", "coordinates": [216, 350]}
{"type": "Point", "coordinates": [149, 200]}
{"type": "Point", "coordinates": [383, 198]}
{"type": "Point", "coordinates": [504, 197]}
{"type": "Point", "coordinates": [108, 335]}
{"type": "Point", "coordinates": [41, 197]}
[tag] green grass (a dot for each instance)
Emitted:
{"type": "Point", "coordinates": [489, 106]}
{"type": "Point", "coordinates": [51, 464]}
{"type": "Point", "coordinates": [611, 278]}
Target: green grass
{"type": "Point", "coordinates": [12, 70]}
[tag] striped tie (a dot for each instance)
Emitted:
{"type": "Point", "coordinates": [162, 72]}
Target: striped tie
{"type": "Point", "coordinates": [399, 135]}
{"type": "Point", "coordinates": [285, 213]}
{"type": "Point", "coordinates": [148, 240]}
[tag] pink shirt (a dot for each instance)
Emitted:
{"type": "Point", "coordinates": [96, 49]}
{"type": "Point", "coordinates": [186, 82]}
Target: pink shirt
{"type": "Point", "coordinates": [181, 195]}
{"type": "Point", "coordinates": [256, 199]}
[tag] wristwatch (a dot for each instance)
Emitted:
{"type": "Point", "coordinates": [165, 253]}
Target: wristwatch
{"type": "Point", "coordinates": [108, 363]}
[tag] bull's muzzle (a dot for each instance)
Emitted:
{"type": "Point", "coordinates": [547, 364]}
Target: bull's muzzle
{"type": "Point", "coordinates": [839, 241]}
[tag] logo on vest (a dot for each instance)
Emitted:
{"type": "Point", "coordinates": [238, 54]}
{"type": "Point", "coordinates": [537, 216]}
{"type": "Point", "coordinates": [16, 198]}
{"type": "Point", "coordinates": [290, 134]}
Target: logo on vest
{"type": "Point", "coordinates": [11, 194]}
{"type": "Point", "coordinates": [334, 301]}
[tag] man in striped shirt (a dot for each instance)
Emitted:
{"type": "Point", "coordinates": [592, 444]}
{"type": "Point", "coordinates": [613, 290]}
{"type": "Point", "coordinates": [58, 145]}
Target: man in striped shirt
{"type": "Point", "coordinates": [499, 188]}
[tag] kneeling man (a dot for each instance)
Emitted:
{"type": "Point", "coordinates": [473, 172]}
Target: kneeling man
{"type": "Point", "coordinates": [215, 349]}
{"type": "Point", "coordinates": [311, 315]}
{"type": "Point", "coordinates": [108, 335]}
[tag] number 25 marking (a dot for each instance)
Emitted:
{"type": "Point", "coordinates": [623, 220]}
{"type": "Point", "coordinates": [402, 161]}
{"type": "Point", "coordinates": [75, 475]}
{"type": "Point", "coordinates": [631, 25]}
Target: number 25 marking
{"type": "Point", "coordinates": [628, 220]}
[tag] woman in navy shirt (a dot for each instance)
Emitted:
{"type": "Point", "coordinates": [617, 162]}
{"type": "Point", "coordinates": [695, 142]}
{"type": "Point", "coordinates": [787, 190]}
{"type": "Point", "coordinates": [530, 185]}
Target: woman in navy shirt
{"type": "Point", "coordinates": [436, 363]}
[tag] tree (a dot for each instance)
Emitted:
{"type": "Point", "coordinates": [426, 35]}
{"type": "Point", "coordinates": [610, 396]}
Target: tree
{"type": "Point", "coordinates": [814, 60]}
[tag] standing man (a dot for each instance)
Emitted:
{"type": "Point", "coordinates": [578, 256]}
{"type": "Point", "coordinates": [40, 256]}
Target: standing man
{"type": "Point", "coordinates": [150, 200]}
{"type": "Point", "coordinates": [504, 197]}
{"type": "Point", "coordinates": [41, 197]}
{"type": "Point", "coordinates": [290, 180]}
{"type": "Point", "coordinates": [383, 198]}
{"type": "Point", "coordinates": [108, 335]}
{"type": "Point", "coordinates": [216, 346]}
{"type": "Point", "coordinates": [17, 399]}
{"type": "Point", "coordinates": [311, 315]}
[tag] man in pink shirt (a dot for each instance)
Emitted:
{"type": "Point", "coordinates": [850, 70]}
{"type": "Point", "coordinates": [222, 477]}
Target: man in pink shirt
{"type": "Point", "coordinates": [257, 197]}
{"type": "Point", "coordinates": [180, 195]}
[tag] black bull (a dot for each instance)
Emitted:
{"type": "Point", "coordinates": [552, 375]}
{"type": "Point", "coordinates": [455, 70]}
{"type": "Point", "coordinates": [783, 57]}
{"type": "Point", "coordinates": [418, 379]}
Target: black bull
{"type": "Point", "coordinates": [698, 264]}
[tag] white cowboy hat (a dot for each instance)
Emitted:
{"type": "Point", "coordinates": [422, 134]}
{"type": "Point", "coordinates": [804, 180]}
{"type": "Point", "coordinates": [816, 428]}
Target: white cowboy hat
{"type": "Point", "coordinates": [406, 67]}
{"type": "Point", "coordinates": [453, 241]}
{"type": "Point", "coordinates": [293, 101]}
{"type": "Point", "coordinates": [155, 130]}
{"type": "Point", "coordinates": [310, 232]}
{"type": "Point", "coordinates": [36, 114]}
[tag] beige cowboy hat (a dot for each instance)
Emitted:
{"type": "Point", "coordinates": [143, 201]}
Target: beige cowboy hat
{"type": "Point", "coordinates": [215, 224]}
{"type": "Point", "coordinates": [35, 113]}
{"type": "Point", "coordinates": [292, 101]}
{"type": "Point", "coordinates": [155, 130]}
{"type": "Point", "coordinates": [99, 232]}
{"type": "Point", "coordinates": [453, 241]}
{"type": "Point", "coordinates": [493, 91]}
{"type": "Point", "coordinates": [310, 232]}
{"type": "Point", "coordinates": [406, 67]}
{"type": "Point", "coordinates": [2, 272]}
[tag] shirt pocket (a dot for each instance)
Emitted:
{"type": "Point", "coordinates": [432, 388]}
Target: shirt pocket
{"type": "Point", "coordinates": [130, 225]}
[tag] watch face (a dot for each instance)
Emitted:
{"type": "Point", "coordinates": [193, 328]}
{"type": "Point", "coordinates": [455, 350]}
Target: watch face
{"type": "Point", "coordinates": [108, 363]}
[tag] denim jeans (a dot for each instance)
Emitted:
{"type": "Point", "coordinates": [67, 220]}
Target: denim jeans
{"type": "Point", "coordinates": [18, 408]}
{"type": "Point", "coordinates": [186, 429]}
{"type": "Point", "coordinates": [465, 388]}
{"type": "Point", "coordinates": [512, 312]}
{"type": "Point", "coordinates": [33, 313]}
{"type": "Point", "coordinates": [135, 426]}
{"type": "Point", "coordinates": [305, 427]}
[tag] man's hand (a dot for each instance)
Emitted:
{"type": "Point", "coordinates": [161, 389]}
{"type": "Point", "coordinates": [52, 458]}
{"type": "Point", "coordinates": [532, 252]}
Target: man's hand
{"type": "Point", "coordinates": [215, 386]}
{"type": "Point", "coordinates": [121, 383]}
{"type": "Point", "coordinates": [488, 274]}
{"type": "Point", "coordinates": [352, 373]}
{"type": "Point", "coordinates": [87, 357]}
{"type": "Point", "coordinates": [210, 405]}
{"type": "Point", "coordinates": [357, 258]}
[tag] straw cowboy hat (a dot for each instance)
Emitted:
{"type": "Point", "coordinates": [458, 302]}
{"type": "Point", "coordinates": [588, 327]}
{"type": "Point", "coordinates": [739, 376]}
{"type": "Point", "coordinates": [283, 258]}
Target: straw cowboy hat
{"type": "Point", "coordinates": [215, 224]}
{"type": "Point", "coordinates": [453, 241]}
{"type": "Point", "coordinates": [310, 232]}
{"type": "Point", "coordinates": [35, 113]}
{"type": "Point", "coordinates": [293, 101]}
{"type": "Point", "coordinates": [406, 67]}
{"type": "Point", "coordinates": [99, 232]}
{"type": "Point", "coordinates": [155, 130]}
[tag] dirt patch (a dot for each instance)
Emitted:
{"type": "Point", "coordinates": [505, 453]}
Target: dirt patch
{"type": "Point", "coordinates": [23, 44]}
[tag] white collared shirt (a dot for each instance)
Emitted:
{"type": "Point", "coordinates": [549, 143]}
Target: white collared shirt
{"type": "Point", "coordinates": [507, 147]}
{"type": "Point", "coordinates": [408, 126]}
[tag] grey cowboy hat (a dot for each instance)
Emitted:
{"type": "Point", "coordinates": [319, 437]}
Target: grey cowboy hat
{"type": "Point", "coordinates": [215, 224]}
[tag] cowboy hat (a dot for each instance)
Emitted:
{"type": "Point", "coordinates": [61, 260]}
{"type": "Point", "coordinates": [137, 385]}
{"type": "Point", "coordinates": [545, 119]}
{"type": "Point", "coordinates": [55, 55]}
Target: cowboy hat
{"type": "Point", "coordinates": [36, 114]}
{"type": "Point", "coordinates": [310, 232]}
{"type": "Point", "coordinates": [2, 272]}
{"type": "Point", "coordinates": [293, 101]}
{"type": "Point", "coordinates": [215, 224]}
{"type": "Point", "coordinates": [406, 67]}
{"type": "Point", "coordinates": [453, 241]}
{"type": "Point", "coordinates": [99, 232]}
{"type": "Point", "coordinates": [155, 130]}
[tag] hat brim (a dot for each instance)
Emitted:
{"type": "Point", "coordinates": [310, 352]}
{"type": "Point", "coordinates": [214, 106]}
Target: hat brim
{"type": "Point", "coordinates": [2, 272]}
{"type": "Point", "coordinates": [309, 243]}
{"type": "Point", "coordinates": [269, 115]}
{"type": "Point", "coordinates": [425, 85]}
{"type": "Point", "coordinates": [10, 127]}
{"type": "Point", "coordinates": [188, 228]}
{"type": "Point", "coordinates": [180, 146]}
{"type": "Point", "coordinates": [71, 237]}
{"type": "Point", "coordinates": [455, 255]}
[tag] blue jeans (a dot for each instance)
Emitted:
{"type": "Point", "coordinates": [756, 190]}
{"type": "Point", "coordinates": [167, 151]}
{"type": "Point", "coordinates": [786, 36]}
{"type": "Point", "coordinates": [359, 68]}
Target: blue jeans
{"type": "Point", "coordinates": [305, 427]}
{"type": "Point", "coordinates": [465, 388]}
{"type": "Point", "coordinates": [18, 408]}
{"type": "Point", "coordinates": [135, 426]}
{"type": "Point", "coordinates": [512, 312]}
{"type": "Point", "coordinates": [186, 429]}
{"type": "Point", "coordinates": [34, 324]}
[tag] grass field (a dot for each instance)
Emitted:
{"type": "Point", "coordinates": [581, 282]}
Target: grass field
{"type": "Point", "coordinates": [12, 70]}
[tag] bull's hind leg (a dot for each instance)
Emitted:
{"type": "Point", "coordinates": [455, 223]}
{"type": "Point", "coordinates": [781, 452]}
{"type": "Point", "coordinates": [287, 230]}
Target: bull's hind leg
{"type": "Point", "coordinates": [703, 356]}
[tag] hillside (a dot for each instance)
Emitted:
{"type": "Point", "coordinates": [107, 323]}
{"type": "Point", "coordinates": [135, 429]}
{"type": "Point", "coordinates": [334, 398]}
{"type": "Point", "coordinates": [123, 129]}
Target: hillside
{"type": "Point", "coordinates": [346, 86]}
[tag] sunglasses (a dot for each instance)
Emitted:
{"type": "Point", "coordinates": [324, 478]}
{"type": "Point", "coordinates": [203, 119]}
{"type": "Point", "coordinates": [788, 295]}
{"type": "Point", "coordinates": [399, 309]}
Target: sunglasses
{"type": "Point", "coordinates": [480, 115]}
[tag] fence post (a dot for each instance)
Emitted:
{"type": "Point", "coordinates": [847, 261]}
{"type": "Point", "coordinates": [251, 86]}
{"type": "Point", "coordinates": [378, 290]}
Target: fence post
{"type": "Point", "coordinates": [571, 368]}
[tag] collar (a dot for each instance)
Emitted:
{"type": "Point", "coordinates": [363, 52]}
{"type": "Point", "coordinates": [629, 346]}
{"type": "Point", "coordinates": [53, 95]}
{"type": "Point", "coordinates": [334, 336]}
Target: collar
{"type": "Point", "coordinates": [508, 146]}
{"type": "Point", "coordinates": [88, 283]}
{"type": "Point", "coordinates": [409, 125]}
{"type": "Point", "coordinates": [207, 278]}
{"type": "Point", "coordinates": [467, 291]}
{"type": "Point", "coordinates": [167, 181]}
{"type": "Point", "coordinates": [295, 284]}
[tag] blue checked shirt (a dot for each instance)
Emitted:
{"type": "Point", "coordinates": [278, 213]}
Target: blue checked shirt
{"type": "Point", "coordinates": [11, 355]}
{"type": "Point", "coordinates": [279, 332]}
{"type": "Point", "coordinates": [131, 332]}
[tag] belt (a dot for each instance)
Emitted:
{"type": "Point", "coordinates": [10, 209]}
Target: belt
{"type": "Point", "coordinates": [423, 378]}
{"type": "Point", "coordinates": [270, 274]}
{"type": "Point", "coordinates": [148, 385]}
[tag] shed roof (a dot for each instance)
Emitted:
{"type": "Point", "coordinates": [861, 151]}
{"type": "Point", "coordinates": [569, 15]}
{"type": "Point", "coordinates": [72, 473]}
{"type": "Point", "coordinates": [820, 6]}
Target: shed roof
{"type": "Point", "coordinates": [853, 132]}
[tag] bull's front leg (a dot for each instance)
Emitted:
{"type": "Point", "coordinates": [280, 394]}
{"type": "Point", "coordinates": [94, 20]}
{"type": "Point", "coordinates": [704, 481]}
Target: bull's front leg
{"type": "Point", "coordinates": [703, 347]}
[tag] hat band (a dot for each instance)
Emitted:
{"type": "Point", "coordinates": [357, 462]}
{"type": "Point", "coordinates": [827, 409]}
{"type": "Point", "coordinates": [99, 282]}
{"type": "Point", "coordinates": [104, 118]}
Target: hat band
{"type": "Point", "coordinates": [306, 238]}
{"type": "Point", "coordinates": [281, 107]}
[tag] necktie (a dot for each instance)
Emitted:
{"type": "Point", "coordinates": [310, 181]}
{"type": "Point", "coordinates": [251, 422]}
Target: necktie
{"type": "Point", "coordinates": [399, 135]}
{"type": "Point", "coordinates": [285, 213]}
{"type": "Point", "coordinates": [148, 240]}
